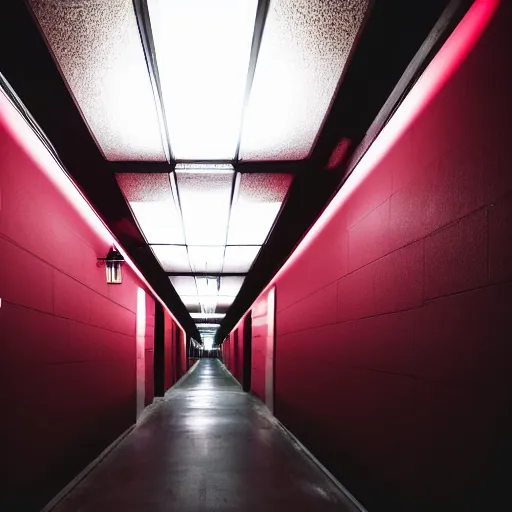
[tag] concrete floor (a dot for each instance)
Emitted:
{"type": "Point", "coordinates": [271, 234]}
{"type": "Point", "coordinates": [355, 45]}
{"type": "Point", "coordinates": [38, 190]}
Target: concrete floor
{"type": "Point", "coordinates": [207, 447]}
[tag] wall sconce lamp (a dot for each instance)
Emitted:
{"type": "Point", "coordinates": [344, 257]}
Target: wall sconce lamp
{"type": "Point", "coordinates": [113, 263]}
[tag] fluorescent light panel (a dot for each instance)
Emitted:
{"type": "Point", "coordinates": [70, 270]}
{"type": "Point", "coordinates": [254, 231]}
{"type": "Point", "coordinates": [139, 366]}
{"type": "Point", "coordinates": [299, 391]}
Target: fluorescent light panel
{"type": "Point", "coordinates": [172, 258]}
{"type": "Point", "coordinates": [150, 198]}
{"type": "Point", "coordinates": [208, 326]}
{"type": "Point", "coordinates": [230, 285]}
{"type": "Point", "coordinates": [194, 300]}
{"type": "Point", "coordinates": [206, 259]}
{"type": "Point", "coordinates": [205, 199]}
{"type": "Point", "coordinates": [203, 316]}
{"type": "Point", "coordinates": [98, 50]}
{"type": "Point", "coordinates": [203, 49]}
{"type": "Point", "coordinates": [184, 285]}
{"type": "Point", "coordinates": [303, 52]}
{"type": "Point", "coordinates": [207, 286]}
{"type": "Point", "coordinates": [239, 259]}
{"type": "Point", "coordinates": [256, 208]}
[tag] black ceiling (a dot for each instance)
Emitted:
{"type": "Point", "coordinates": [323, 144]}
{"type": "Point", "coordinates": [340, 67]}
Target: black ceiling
{"type": "Point", "coordinates": [393, 33]}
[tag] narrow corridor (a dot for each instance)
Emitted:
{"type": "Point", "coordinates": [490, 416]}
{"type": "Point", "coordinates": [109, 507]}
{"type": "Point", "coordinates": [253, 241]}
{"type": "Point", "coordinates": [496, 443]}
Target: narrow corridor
{"type": "Point", "coordinates": [208, 446]}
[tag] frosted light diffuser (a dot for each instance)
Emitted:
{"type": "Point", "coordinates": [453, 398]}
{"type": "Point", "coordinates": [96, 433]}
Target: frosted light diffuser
{"type": "Point", "coordinates": [205, 316]}
{"type": "Point", "coordinates": [303, 52]}
{"type": "Point", "coordinates": [172, 258]}
{"type": "Point", "coordinates": [203, 49]}
{"type": "Point", "coordinates": [159, 222]}
{"type": "Point", "coordinates": [184, 285]}
{"type": "Point", "coordinates": [239, 259]}
{"type": "Point", "coordinates": [98, 50]}
{"type": "Point", "coordinates": [206, 259]}
{"type": "Point", "coordinates": [230, 285]}
{"type": "Point", "coordinates": [150, 198]}
{"type": "Point", "coordinates": [255, 209]}
{"type": "Point", "coordinates": [207, 286]}
{"type": "Point", "coordinates": [205, 199]}
{"type": "Point", "coordinates": [192, 300]}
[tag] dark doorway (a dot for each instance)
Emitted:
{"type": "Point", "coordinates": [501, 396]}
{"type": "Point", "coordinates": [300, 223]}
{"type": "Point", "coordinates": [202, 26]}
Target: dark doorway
{"type": "Point", "coordinates": [159, 350]}
{"type": "Point", "coordinates": [247, 364]}
{"type": "Point", "coordinates": [178, 347]}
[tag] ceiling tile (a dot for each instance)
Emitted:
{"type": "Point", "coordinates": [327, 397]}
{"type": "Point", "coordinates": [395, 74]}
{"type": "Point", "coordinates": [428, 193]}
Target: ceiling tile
{"type": "Point", "coordinates": [150, 198]}
{"type": "Point", "coordinates": [99, 53]}
{"type": "Point", "coordinates": [206, 259]}
{"type": "Point", "coordinates": [172, 258]}
{"type": "Point", "coordinates": [230, 285]}
{"type": "Point", "coordinates": [254, 211]}
{"type": "Point", "coordinates": [239, 258]}
{"type": "Point", "coordinates": [304, 49]}
{"type": "Point", "coordinates": [184, 285]}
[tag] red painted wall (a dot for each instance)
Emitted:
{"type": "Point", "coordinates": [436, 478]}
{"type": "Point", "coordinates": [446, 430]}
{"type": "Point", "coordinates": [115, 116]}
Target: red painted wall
{"type": "Point", "coordinates": [393, 356]}
{"type": "Point", "coordinates": [68, 355]}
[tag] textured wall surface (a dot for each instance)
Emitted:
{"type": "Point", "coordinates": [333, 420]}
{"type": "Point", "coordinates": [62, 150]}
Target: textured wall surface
{"type": "Point", "coordinates": [393, 356]}
{"type": "Point", "coordinates": [67, 339]}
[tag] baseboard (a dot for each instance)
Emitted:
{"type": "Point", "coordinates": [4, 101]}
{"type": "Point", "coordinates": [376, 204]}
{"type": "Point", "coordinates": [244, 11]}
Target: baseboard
{"type": "Point", "coordinates": [178, 382]}
{"type": "Point", "coordinates": [78, 478]}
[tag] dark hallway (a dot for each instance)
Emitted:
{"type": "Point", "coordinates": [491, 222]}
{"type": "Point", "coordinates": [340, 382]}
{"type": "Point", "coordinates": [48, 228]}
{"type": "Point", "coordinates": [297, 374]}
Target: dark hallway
{"type": "Point", "coordinates": [316, 192]}
{"type": "Point", "coordinates": [207, 446]}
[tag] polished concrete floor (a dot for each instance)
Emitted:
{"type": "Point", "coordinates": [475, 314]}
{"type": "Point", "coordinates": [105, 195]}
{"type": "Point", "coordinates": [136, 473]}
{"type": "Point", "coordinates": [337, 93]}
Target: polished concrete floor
{"type": "Point", "coordinates": [207, 447]}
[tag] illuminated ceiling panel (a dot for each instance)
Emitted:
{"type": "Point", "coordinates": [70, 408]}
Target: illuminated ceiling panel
{"type": "Point", "coordinates": [239, 259]}
{"type": "Point", "coordinates": [184, 285]}
{"type": "Point", "coordinates": [304, 49]}
{"type": "Point", "coordinates": [230, 285]}
{"type": "Point", "coordinates": [99, 53]}
{"type": "Point", "coordinates": [255, 209]}
{"type": "Point", "coordinates": [206, 316]}
{"type": "Point", "coordinates": [150, 198]}
{"type": "Point", "coordinates": [207, 286]}
{"type": "Point", "coordinates": [206, 259]}
{"type": "Point", "coordinates": [172, 258]}
{"type": "Point", "coordinates": [203, 49]}
{"type": "Point", "coordinates": [205, 199]}
{"type": "Point", "coordinates": [194, 300]}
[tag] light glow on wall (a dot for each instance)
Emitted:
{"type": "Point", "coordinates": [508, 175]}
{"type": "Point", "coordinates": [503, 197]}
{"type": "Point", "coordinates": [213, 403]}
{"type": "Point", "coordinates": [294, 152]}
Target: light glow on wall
{"type": "Point", "coordinates": [141, 352]}
{"type": "Point", "coordinates": [19, 130]}
{"type": "Point", "coordinates": [443, 66]}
